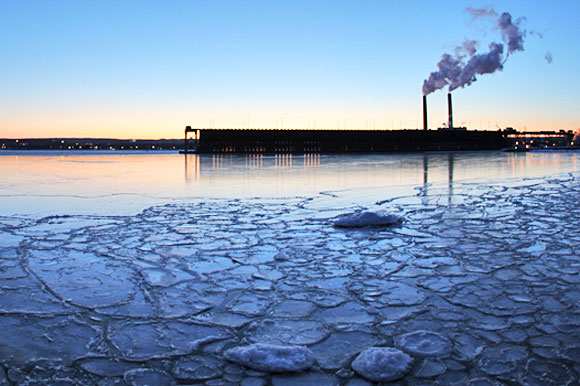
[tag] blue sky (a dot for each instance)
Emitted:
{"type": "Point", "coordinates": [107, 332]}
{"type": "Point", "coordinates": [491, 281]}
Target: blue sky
{"type": "Point", "coordinates": [137, 69]}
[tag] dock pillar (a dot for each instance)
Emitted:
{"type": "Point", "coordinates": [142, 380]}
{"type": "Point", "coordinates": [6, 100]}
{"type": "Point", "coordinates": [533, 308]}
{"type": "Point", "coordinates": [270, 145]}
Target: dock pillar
{"type": "Point", "coordinates": [188, 129]}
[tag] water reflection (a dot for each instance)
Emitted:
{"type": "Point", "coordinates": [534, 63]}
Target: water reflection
{"type": "Point", "coordinates": [419, 169]}
{"type": "Point", "coordinates": [82, 182]}
{"type": "Point", "coordinates": [311, 160]}
{"type": "Point", "coordinates": [222, 164]}
{"type": "Point", "coordinates": [192, 167]}
{"type": "Point", "coordinates": [254, 161]}
{"type": "Point", "coordinates": [450, 170]}
{"type": "Point", "coordinates": [221, 161]}
{"type": "Point", "coordinates": [195, 163]}
{"type": "Point", "coordinates": [425, 174]}
{"type": "Point", "coordinates": [450, 161]}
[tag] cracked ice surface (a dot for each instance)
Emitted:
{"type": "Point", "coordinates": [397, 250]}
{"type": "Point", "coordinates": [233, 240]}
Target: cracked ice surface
{"type": "Point", "coordinates": [479, 287]}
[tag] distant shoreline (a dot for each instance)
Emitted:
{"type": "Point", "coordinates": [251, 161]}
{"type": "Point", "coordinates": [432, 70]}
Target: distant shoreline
{"type": "Point", "coordinates": [308, 141]}
{"type": "Point", "coordinates": [90, 144]}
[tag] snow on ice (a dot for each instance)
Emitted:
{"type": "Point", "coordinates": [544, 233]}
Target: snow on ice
{"type": "Point", "coordinates": [272, 358]}
{"type": "Point", "coordinates": [382, 364]}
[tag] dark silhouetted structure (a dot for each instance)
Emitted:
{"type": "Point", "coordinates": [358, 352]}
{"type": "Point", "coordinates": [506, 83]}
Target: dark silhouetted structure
{"type": "Point", "coordinates": [186, 146]}
{"type": "Point", "coordinates": [343, 141]}
{"type": "Point", "coordinates": [425, 126]}
{"type": "Point", "coordinates": [450, 110]}
{"type": "Point", "coordinates": [450, 125]}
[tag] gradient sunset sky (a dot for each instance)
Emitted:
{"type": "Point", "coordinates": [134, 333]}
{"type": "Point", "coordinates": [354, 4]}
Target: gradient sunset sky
{"type": "Point", "coordinates": [145, 69]}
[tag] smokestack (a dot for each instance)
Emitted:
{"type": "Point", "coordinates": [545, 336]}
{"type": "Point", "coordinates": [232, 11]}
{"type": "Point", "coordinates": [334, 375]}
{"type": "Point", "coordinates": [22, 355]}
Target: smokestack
{"type": "Point", "coordinates": [425, 112]}
{"type": "Point", "coordinates": [450, 107]}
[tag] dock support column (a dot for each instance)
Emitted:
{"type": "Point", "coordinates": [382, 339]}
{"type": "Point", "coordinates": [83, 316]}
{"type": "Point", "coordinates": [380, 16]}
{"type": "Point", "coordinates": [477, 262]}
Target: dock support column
{"type": "Point", "coordinates": [188, 129]}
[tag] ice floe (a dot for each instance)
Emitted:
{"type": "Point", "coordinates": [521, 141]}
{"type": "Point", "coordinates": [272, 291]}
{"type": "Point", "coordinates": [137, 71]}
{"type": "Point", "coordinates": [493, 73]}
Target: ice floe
{"type": "Point", "coordinates": [148, 377]}
{"type": "Point", "coordinates": [339, 349]}
{"type": "Point", "coordinates": [424, 343]}
{"type": "Point", "coordinates": [281, 332]}
{"type": "Point", "coordinates": [367, 219]}
{"type": "Point", "coordinates": [272, 358]}
{"type": "Point", "coordinates": [140, 341]}
{"type": "Point", "coordinates": [382, 364]}
{"type": "Point", "coordinates": [198, 368]}
{"type": "Point", "coordinates": [56, 339]}
{"type": "Point", "coordinates": [106, 367]}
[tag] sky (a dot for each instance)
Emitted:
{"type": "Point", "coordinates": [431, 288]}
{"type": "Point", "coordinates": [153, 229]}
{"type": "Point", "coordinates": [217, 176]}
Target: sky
{"type": "Point", "coordinates": [146, 69]}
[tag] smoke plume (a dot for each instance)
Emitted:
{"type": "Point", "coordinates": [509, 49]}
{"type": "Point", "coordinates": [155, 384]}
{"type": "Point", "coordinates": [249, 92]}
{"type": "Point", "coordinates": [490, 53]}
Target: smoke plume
{"type": "Point", "coordinates": [536, 33]}
{"type": "Point", "coordinates": [476, 13]}
{"type": "Point", "coordinates": [467, 48]}
{"type": "Point", "coordinates": [511, 32]}
{"type": "Point", "coordinates": [449, 69]}
{"type": "Point", "coordinates": [481, 64]}
{"type": "Point", "coordinates": [462, 69]}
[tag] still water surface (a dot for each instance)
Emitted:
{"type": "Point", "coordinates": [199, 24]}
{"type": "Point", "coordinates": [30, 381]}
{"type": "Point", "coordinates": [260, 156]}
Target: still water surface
{"type": "Point", "coordinates": [42, 183]}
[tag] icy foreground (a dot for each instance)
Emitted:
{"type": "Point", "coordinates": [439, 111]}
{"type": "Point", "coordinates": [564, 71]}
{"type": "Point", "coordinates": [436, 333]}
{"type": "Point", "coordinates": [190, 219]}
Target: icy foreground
{"type": "Point", "coordinates": [479, 287]}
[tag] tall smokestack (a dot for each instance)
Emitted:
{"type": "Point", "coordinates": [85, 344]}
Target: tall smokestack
{"type": "Point", "coordinates": [450, 108]}
{"type": "Point", "coordinates": [425, 112]}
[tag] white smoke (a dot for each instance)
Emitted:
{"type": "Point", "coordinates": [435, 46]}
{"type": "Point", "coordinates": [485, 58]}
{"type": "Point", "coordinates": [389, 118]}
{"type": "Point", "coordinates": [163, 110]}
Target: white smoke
{"type": "Point", "coordinates": [536, 33]}
{"type": "Point", "coordinates": [476, 13]}
{"type": "Point", "coordinates": [511, 32]}
{"type": "Point", "coordinates": [467, 48]}
{"type": "Point", "coordinates": [461, 70]}
{"type": "Point", "coordinates": [481, 64]}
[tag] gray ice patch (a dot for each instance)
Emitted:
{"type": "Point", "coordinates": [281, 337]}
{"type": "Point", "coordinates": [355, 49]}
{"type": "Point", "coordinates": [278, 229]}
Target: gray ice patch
{"type": "Point", "coordinates": [367, 219]}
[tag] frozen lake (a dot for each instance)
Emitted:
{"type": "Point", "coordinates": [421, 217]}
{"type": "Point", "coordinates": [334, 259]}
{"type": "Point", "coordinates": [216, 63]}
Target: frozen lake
{"type": "Point", "coordinates": [164, 269]}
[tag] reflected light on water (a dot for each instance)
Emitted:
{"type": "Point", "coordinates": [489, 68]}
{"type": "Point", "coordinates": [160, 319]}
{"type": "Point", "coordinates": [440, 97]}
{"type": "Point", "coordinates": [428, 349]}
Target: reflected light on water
{"type": "Point", "coordinates": [283, 160]}
{"type": "Point", "coordinates": [311, 160]}
{"type": "Point", "coordinates": [254, 161]}
{"type": "Point", "coordinates": [129, 181]}
{"type": "Point", "coordinates": [192, 168]}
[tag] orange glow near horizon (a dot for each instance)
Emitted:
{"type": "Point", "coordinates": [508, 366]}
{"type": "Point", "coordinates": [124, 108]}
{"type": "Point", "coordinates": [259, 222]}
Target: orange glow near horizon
{"type": "Point", "coordinates": [169, 122]}
{"type": "Point", "coordinates": [174, 130]}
